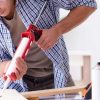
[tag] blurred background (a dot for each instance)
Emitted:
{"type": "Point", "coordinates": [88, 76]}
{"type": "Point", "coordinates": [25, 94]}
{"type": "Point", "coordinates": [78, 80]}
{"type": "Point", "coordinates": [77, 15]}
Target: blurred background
{"type": "Point", "coordinates": [85, 40]}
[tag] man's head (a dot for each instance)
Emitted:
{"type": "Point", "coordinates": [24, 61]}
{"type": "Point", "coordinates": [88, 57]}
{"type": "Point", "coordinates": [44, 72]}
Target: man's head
{"type": "Point", "coordinates": [7, 8]}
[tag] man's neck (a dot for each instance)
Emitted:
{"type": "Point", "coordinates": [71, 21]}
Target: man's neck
{"type": "Point", "coordinates": [10, 15]}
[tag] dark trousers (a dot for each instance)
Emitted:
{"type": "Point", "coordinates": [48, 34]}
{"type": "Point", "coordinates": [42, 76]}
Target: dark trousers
{"type": "Point", "coordinates": [39, 83]}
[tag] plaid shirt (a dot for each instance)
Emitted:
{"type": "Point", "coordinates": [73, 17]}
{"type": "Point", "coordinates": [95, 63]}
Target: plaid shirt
{"type": "Point", "coordinates": [28, 11]}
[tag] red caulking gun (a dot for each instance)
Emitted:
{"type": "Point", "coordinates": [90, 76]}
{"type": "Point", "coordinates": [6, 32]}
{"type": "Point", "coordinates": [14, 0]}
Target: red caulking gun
{"type": "Point", "coordinates": [32, 34]}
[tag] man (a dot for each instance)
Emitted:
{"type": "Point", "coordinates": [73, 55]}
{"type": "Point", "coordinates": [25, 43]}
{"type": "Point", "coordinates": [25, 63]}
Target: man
{"type": "Point", "coordinates": [50, 56]}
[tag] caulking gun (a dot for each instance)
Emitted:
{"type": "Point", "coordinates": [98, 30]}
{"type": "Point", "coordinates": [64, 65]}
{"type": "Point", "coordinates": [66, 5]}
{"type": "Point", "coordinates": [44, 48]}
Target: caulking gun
{"type": "Point", "coordinates": [28, 37]}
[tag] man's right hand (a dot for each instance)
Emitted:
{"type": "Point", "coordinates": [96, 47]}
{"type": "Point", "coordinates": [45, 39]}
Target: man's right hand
{"type": "Point", "coordinates": [21, 69]}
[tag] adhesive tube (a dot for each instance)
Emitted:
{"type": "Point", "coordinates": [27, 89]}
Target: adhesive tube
{"type": "Point", "coordinates": [96, 82]}
{"type": "Point", "coordinates": [21, 50]}
{"type": "Point", "coordinates": [19, 53]}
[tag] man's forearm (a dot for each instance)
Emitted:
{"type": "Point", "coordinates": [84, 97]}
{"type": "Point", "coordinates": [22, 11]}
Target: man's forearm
{"type": "Point", "coordinates": [74, 18]}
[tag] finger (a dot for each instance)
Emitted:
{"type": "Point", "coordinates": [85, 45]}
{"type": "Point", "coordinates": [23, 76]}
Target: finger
{"type": "Point", "coordinates": [17, 73]}
{"type": "Point", "coordinates": [45, 44]}
{"type": "Point", "coordinates": [46, 47]}
{"type": "Point", "coordinates": [6, 67]}
{"type": "Point", "coordinates": [13, 76]}
{"type": "Point", "coordinates": [21, 65]}
{"type": "Point", "coordinates": [41, 40]}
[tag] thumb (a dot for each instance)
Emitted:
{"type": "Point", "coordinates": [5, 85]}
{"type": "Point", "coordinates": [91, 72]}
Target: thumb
{"type": "Point", "coordinates": [6, 67]}
{"type": "Point", "coordinates": [5, 70]}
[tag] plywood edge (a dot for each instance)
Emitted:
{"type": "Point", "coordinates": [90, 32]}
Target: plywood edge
{"type": "Point", "coordinates": [49, 92]}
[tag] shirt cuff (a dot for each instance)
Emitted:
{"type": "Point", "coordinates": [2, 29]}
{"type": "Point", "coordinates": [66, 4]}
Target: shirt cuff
{"type": "Point", "coordinates": [89, 3]}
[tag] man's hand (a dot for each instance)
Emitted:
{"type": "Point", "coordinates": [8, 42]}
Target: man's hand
{"type": "Point", "coordinates": [21, 69]}
{"type": "Point", "coordinates": [48, 39]}
{"type": "Point", "coordinates": [74, 18]}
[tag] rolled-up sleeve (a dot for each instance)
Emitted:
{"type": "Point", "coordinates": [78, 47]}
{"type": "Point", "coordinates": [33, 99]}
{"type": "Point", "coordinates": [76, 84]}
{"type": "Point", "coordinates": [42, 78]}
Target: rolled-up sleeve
{"type": "Point", "coordinates": [70, 4]}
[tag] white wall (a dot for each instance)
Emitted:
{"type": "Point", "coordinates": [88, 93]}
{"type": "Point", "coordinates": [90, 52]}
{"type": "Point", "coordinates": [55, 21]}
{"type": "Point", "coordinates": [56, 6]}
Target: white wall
{"type": "Point", "coordinates": [85, 37]}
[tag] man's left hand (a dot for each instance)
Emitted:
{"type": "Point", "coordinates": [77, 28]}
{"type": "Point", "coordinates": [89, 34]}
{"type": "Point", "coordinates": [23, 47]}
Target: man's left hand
{"type": "Point", "coordinates": [48, 39]}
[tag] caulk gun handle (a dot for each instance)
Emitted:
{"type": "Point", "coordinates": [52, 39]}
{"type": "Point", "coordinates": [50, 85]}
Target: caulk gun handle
{"type": "Point", "coordinates": [37, 34]}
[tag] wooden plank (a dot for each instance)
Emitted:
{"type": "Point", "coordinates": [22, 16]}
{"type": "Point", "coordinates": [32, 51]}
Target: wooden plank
{"type": "Point", "coordinates": [49, 92]}
{"type": "Point", "coordinates": [33, 98]}
{"type": "Point", "coordinates": [11, 94]}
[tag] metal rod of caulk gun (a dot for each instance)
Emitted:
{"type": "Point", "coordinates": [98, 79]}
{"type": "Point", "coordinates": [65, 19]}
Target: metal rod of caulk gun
{"type": "Point", "coordinates": [17, 54]}
{"type": "Point", "coordinates": [40, 12]}
{"type": "Point", "coordinates": [5, 85]}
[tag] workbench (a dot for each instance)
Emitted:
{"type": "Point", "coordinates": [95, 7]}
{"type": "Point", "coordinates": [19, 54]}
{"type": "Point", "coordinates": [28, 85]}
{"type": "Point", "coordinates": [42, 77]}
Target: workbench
{"type": "Point", "coordinates": [49, 93]}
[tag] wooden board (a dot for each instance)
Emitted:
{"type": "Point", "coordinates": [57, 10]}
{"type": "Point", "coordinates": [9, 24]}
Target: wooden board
{"type": "Point", "coordinates": [49, 92]}
{"type": "Point", "coordinates": [11, 94]}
